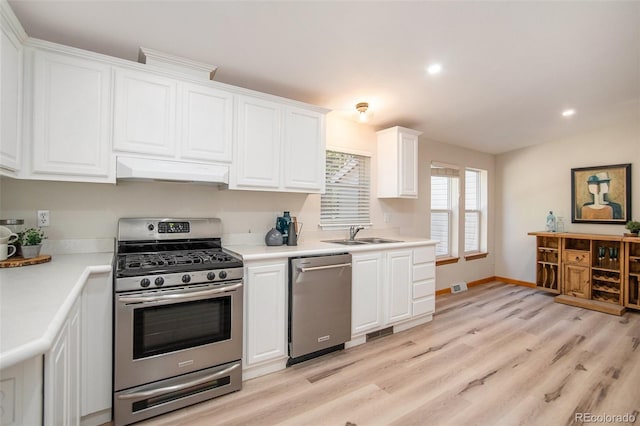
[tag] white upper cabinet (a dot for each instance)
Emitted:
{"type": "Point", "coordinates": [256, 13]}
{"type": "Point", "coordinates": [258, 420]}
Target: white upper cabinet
{"type": "Point", "coordinates": [11, 52]}
{"type": "Point", "coordinates": [279, 147]}
{"type": "Point", "coordinates": [145, 113]}
{"type": "Point", "coordinates": [207, 120]}
{"type": "Point", "coordinates": [304, 150]}
{"type": "Point", "coordinates": [259, 145]}
{"type": "Point", "coordinates": [71, 118]}
{"type": "Point", "coordinates": [398, 163]}
{"type": "Point", "coordinates": [163, 117]}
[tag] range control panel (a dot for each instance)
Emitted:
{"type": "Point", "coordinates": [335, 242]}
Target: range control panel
{"type": "Point", "coordinates": [173, 227]}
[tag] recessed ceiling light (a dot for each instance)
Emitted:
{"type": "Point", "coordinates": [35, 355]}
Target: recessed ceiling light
{"type": "Point", "coordinates": [568, 112]}
{"type": "Point", "coordinates": [434, 69]}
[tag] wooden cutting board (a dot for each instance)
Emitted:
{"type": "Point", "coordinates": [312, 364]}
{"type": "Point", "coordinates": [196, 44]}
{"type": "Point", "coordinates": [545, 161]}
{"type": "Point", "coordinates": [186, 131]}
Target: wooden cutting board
{"type": "Point", "coordinates": [14, 262]}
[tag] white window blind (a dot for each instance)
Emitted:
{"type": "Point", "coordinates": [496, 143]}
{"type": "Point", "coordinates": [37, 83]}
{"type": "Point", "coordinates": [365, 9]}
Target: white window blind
{"type": "Point", "coordinates": [346, 200]}
{"type": "Point", "coordinates": [472, 199]}
{"type": "Point", "coordinates": [443, 185]}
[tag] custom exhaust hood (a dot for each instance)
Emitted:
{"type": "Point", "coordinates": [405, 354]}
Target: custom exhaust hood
{"type": "Point", "coordinates": [131, 168]}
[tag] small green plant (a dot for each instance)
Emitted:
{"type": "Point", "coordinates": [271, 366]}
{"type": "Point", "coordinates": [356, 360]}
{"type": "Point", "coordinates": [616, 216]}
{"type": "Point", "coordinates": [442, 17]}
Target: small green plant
{"type": "Point", "coordinates": [31, 237]}
{"type": "Point", "coordinates": [633, 226]}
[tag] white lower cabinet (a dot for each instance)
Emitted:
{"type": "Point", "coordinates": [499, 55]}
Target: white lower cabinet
{"type": "Point", "coordinates": [366, 292]}
{"type": "Point", "coordinates": [96, 349]}
{"type": "Point", "coordinates": [391, 288]}
{"type": "Point", "coordinates": [21, 393]}
{"type": "Point", "coordinates": [265, 317]}
{"type": "Point", "coordinates": [398, 289]}
{"type": "Point", "coordinates": [62, 373]}
{"type": "Point", "coordinates": [424, 281]}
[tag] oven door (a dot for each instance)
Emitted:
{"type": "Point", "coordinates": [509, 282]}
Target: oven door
{"type": "Point", "coordinates": [164, 333]}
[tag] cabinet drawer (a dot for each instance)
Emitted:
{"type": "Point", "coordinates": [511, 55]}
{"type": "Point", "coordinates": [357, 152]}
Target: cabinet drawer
{"type": "Point", "coordinates": [576, 257]}
{"type": "Point", "coordinates": [424, 254]}
{"type": "Point", "coordinates": [425, 271]}
{"type": "Point", "coordinates": [424, 306]}
{"type": "Point", "coordinates": [424, 288]}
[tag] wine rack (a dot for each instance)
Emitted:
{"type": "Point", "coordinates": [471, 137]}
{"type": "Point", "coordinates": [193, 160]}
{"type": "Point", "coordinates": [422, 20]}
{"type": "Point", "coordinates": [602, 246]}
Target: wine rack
{"type": "Point", "coordinates": [548, 261]}
{"type": "Point", "coordinates": [632, 275]}
{"type": "Point", "coordinates": [606, 282]}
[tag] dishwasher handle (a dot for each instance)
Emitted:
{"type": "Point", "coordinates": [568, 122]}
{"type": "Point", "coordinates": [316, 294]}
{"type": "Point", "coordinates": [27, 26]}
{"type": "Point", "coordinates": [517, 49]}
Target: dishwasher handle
{"type": "Point", "coordinates": [320, 268]}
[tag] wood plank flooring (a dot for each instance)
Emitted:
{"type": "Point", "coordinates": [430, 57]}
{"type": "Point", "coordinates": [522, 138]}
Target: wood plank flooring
{"type": "Point", "coordinates": [497, 354]}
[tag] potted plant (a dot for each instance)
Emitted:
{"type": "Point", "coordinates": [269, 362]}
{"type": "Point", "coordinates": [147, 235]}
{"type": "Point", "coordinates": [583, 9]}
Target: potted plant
{"type": "Point", "coordinates": [633, 227]}
{"type": "Point", "coordinates": [31, 242]}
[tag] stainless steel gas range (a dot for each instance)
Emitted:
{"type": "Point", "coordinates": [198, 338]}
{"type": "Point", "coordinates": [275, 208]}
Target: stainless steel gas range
{"type": "Point", "coordinates": [177, 316]}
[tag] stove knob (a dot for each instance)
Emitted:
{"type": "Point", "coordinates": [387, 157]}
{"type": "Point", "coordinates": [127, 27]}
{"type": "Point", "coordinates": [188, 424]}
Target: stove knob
{"type": "Point", "coordinates": [159, 281]}
{"type": "Point", "coordinates": [186, 278]}
{"type": "Point", "coordinates": [150, 227]}
{"type": "Point", "coordinates": [211, 276]}
{"type": "Point", "coordinates": [223, 274]}
{"type": "Point", "coordinates": [145, 282]}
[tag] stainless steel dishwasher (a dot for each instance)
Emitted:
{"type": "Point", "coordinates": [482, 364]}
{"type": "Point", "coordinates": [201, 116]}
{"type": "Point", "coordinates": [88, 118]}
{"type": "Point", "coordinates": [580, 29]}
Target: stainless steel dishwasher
{"type": "Point", "coordinates": [319, 305]}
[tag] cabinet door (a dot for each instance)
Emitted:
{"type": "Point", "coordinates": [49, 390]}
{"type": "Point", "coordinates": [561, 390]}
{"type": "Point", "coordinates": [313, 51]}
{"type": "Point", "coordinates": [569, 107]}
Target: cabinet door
{"type": "Point", "coordinates": [576, 281]}
{"type": "Point", "coordinates": [10, 100]}
{"type": "Point", "coordinates": [62, 374]}
{"type": "Point", "coordinates": [207, 119]}
{"type": "Point", "coordinates": [71, 116]}
{"type": "Point", "coordinates": [408, 171]}
{"type": "Point", "coordinates": [304, 151]}
{"type": "Point", "coordinates": [398, 285]}
{"type": "Point", "coordinates": [259, 145]}
{"type": "Point", "coordinates": [266, 313]}
{"type": "Point", "coordinates": [96, 360]}
{"type": "Point", "coordinates": [366, 292]}
{"type": "Point", "coordinates": [145, 114]}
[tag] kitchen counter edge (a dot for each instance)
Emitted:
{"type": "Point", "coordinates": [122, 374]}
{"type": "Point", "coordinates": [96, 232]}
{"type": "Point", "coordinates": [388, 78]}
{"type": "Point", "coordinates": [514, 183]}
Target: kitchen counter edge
{"type": "Point", "coordinates": [41, 345]}
{"type": "Point", "coordinates": [314, 248]}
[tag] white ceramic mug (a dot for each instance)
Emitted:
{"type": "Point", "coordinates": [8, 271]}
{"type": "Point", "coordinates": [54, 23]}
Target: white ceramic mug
{"type": "Point", "coordinates": [6, 251]}
{"type": "Point", "coordinates": [7, 236]}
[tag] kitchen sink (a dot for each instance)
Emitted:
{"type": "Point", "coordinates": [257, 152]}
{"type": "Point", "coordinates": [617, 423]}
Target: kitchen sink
{"type": "Point", "coordinates": [376, 240]}
{"type": "Point", "coordinates": [359, 241]}
{"type": "Point", "coordinates": [346, 242]}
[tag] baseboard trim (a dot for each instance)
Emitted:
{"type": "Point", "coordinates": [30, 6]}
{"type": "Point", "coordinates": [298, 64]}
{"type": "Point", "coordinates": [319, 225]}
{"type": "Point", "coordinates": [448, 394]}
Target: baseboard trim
{"type": "Point", "coordinates": [516, 282]}
{"type": "Point", "coordinates": [489, 280]}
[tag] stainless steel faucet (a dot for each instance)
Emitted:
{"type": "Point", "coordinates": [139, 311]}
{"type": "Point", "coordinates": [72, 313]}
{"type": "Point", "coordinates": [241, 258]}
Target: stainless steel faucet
{"type": "Point", "coordinates": [353, 231]}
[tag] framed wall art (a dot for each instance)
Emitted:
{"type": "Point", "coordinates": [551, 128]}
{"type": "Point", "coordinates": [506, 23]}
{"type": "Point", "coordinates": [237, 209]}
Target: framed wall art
{"type": "Point", "coordinates": [601, 194]}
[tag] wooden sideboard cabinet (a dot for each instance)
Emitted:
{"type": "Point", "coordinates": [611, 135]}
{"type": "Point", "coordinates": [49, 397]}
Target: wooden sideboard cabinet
{"type": "Point", "coordinates": [593, 271]}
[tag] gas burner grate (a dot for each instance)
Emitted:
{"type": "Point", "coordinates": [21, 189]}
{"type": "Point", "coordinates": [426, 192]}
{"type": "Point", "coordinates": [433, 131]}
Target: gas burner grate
{"type": "Point", "coordinates": [155, 260]}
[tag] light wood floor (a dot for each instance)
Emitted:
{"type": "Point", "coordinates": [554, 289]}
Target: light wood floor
{"type": "Point", "coordinates": [496, 355]}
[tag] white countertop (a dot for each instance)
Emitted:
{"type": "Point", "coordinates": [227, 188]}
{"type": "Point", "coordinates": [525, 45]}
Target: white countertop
{"type": "Point", "coordinates": [312, 248]}
{"type": "Point", "coordinates": [35, 300]}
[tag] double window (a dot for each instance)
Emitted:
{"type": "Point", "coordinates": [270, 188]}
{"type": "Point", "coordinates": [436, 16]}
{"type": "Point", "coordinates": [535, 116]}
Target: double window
{"type": "Point", "coordinates": [446, 212]}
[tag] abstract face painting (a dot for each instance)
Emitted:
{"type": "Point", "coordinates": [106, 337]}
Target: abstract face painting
{"type": "Point", "coordinates": [601, 194]}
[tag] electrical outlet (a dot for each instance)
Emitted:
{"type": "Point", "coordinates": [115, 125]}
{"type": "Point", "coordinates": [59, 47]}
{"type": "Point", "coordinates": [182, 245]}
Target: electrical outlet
{"type": "Point", "coordinates": [387, 217]}
{"type": "Point", "coordinates": [43, 218]}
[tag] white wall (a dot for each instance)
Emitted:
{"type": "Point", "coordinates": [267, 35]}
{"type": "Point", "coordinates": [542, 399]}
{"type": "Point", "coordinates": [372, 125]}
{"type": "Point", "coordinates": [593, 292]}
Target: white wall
{"type": "Point", "coordinates": [534, 180]}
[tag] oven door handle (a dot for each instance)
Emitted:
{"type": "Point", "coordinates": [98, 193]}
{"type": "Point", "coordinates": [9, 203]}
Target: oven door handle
{"type": "Point", "coordinates": [180, 296]}
{"type": "Point", "coordinates": [181, 386]}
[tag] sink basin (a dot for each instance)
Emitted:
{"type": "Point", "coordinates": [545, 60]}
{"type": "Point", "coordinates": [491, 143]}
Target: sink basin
{"type": "Point", "coordinates": [376, 240]}
{"type": "Point", "coordinates": [346, 242]}
{"type": "Point", "coordinates": [359, 241]}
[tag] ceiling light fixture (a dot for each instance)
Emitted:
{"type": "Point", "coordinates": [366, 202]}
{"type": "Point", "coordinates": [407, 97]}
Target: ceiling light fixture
{"type": "Point", "coordinates": [568, 112]}
{"type": "Point", "coordinates": [434, 69]}
{"type": "Point", "coordinates": [362, 108]}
